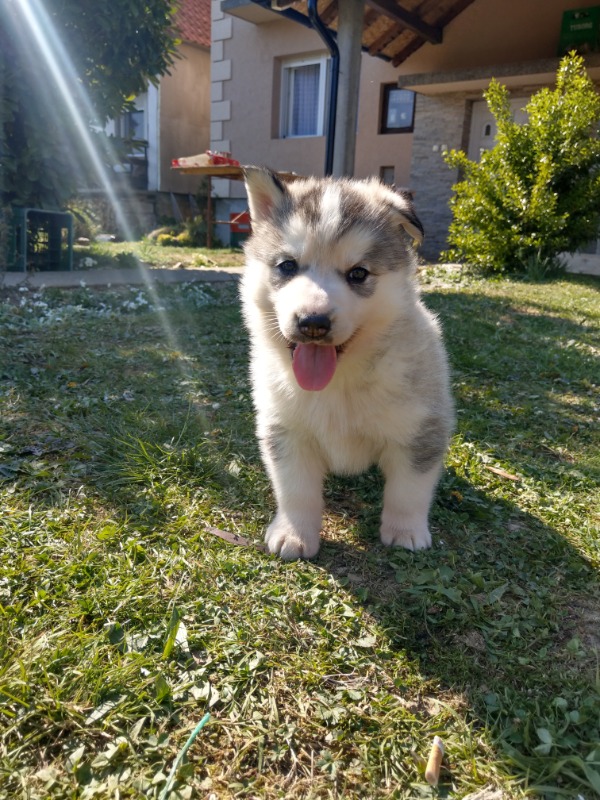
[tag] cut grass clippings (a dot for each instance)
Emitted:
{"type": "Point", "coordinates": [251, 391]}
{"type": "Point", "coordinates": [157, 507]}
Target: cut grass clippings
{"type": "Point", "coordinates": [126, 431]}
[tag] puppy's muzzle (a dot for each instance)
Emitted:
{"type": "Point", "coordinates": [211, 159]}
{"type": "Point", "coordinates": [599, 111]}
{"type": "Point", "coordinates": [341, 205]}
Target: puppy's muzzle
{"type": "Point", "coordinates": [314, 326]}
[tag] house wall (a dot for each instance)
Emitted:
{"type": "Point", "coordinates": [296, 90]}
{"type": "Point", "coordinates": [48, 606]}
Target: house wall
{"type": "Point", "coordinates": [520, 40]}
{"type": "Point", "coordinates": [508, 38]}
{"type": "Point", "coordinates": [253, 91]}
{"type": "Point", "coordinates": [246, 64]}
{"type": "Point", "coordinates": [184, 116]}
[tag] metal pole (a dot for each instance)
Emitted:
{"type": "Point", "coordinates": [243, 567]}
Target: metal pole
{"type": "Point", "coordinates": [330, 42]}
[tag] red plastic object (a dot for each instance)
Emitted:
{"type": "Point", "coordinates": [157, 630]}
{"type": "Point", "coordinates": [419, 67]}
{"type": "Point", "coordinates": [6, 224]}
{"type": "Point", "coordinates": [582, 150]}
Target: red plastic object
{"type": "Point", "coordinates": [240, 223]}
{"type": "Point", "coordinates": [222, 158]}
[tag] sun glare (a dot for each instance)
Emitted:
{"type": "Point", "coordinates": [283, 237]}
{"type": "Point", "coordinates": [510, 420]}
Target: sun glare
{"type": "Point", "coordinates": [37, 26]}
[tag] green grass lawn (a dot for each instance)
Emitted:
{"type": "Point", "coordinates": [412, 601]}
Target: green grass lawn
{"type": "Point", "coordinates": [126, 428]}
{"type": "Point", "coordinates": [99, 255]}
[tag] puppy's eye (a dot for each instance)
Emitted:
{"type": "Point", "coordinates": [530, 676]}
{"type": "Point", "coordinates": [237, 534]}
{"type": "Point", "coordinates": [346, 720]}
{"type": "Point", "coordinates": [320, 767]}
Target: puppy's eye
{"type": "Point", "coordinates": [288, 267]}
{"type": "Point", "coordinates": [357, 275]}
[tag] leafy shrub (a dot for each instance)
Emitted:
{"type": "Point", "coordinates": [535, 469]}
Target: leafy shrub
{"type": "Point", "coordinates": [164, 229]}
{"type": "Point", "coordinates": [85, 219]}
{"type": "Point", "coordinates": [184, 239]}
{"type": "Point", "coordinates": [536, 194]}
{"type": "Point", "coordinates": [126, 260]}
{"type": "Point", "coordinates": [165, 239]}
{"type": "Point", "coordinates": [196, 230]}
{"type": "Point", "coordinates": [191, 233]}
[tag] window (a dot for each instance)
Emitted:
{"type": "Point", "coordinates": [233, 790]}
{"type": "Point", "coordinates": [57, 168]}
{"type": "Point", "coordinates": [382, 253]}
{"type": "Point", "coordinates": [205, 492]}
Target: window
{"type": "Point", "coordinates": [130, 125]}
{"type": "Point", "coordinates": [303, 88]}
{"type": "Point", "coordinates": [387, 175]}
{"type": "Point", "coordinates": [397, 110]}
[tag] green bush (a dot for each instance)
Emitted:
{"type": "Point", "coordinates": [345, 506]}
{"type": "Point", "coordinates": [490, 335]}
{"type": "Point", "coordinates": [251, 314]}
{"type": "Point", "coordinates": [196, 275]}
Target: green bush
{"type": "Point", "coordinates": [536, 194]}
{"type": "Point", "coordinates": [92, 215]}
{"type": "Point", "coordinates": [195, 228]}
{"type": "Point", "coordinates": [126, 260]}
{"type": "Point", "coordinates": [184, 239]}
{"type": "Point", "coordinates": [165, 240]}
{"type": "Point", "coordinates": [191, 233]}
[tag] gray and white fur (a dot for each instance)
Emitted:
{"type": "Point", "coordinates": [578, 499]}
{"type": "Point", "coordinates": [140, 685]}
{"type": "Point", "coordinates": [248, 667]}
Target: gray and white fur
{"type": "Point", "coordinates": [331, 305]}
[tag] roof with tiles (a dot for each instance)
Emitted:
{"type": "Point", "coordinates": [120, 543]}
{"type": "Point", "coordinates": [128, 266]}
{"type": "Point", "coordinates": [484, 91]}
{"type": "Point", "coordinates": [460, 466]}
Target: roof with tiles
{"type": "Point", "coordinates": [193, 21]}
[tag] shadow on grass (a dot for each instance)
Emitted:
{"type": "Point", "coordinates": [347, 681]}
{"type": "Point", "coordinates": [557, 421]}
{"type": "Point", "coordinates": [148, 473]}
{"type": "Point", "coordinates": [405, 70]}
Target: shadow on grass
{"type": "Point", "coordinates": [504, 608]}
{"type": "Point", "coordinates": [494, 613]}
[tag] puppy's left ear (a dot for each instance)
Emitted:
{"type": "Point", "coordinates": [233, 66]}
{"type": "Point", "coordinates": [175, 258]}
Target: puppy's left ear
{"type": "Point", "coordinates": [403, 209]}
{"type": "Point", "coordinates": [266, 192]}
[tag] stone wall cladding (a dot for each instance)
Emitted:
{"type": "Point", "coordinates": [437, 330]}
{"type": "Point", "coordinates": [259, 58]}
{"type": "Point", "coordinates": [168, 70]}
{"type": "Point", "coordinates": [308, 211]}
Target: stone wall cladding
{"type": "Point", "coordinates": [439, 125]}
{"type": "Point", "coordinates": [445, 119]}
{"type": "Point", "coordinates": [220, 73]}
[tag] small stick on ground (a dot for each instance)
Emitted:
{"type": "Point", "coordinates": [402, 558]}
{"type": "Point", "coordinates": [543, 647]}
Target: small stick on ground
{"type": "Point", "coordinates": [432, 771]}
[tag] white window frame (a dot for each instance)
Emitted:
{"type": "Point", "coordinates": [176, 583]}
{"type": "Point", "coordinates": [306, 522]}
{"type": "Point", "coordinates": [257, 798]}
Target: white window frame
{"type": "Point", "coordinates": [287, 87]}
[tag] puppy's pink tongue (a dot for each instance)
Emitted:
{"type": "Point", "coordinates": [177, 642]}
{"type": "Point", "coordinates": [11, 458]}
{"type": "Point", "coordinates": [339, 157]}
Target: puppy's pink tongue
{"type": "Point", "coordinates": [314, 365]}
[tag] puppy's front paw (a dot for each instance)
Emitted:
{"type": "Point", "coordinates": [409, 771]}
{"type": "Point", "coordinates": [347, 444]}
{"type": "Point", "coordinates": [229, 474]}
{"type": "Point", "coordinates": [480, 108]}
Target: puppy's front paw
{"type": "Point", "coordinates": [408, 535]}
{"type": "Point", "coordinates": [291, 541]}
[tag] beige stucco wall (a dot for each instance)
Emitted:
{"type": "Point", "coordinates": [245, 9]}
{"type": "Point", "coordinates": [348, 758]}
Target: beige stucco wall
{"type": "Point", "coordinates": [256, 52]}
{"type": "Point", "coordinates": [489, 33]}
{"type": "Point", "coordinates": [184, 115]}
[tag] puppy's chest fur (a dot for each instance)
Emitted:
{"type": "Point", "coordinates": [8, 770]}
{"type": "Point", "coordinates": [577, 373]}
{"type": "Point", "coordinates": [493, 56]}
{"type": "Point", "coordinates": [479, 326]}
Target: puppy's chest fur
{"type": "Point", "coordinates": [350, 423]}
{"type": "Point", "coordinates": [348, 436]}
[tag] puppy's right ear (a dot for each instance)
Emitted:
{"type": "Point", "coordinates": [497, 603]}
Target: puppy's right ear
{"type": "Point", "coordinates": [265, 192]}
{"type": "Point", "coordinates": [407, 217]}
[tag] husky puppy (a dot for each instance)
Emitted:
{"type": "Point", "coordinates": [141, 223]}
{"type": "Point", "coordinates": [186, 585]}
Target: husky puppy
{"type": "Point", "coordinates": [348, 368]}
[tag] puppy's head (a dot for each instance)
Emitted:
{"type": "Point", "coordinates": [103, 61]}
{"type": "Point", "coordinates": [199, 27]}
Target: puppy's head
{"type": "Point", "coordinates": [328, 259]}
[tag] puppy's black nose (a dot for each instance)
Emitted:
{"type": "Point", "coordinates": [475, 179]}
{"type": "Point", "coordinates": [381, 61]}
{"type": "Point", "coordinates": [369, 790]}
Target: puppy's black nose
{"type": "Point", "coordinates": [315, 326]}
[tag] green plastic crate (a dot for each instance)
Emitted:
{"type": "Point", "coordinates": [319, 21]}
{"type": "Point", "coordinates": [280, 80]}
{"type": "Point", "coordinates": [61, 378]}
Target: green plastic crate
{"type": "Point", "coordinates": [41, 241]}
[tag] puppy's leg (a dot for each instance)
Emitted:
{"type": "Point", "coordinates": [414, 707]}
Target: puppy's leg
{"type": "Point", "coordinates": [406, 500]}
{"type": "Point", "coordinates": [297, 474]}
